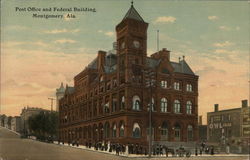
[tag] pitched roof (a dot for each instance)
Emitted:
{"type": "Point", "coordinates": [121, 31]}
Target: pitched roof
{"type": "Point", "coordinates": [133, 14]}
{"type": "Point", "coordinates": [182, 67]}
{"type": "Point", "coordinates": [152, 63]}
{"type": "Point", "coordinates": [93, 64]}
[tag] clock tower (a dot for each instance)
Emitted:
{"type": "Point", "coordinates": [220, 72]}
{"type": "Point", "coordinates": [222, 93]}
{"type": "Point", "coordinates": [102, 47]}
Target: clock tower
{"type": "Point", "coordinates": [131, 35]}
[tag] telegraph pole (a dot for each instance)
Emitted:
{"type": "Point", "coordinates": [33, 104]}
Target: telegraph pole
{"type": "Point", "coordinates": [150, 82]}
{"type": "Point", "coordinates": [51, 99]}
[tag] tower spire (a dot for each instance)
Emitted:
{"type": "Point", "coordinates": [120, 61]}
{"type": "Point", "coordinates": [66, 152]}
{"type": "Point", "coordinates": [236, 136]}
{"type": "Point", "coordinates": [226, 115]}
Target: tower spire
{"type": "Point", "coordinates": [132, 2]}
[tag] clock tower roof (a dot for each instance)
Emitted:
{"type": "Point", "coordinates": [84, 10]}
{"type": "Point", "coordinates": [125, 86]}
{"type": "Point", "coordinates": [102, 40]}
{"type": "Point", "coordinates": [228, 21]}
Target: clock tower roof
{"type": "Point", "coordinates": [133, 14]}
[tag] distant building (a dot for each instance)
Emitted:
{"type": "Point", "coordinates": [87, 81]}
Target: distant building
{"type": "Point", "coordinates": [2, 117]}
{"type": "Point", "coordinates": [16, 124]}
{"type": "Point", "coordinates": [59, 94]}
{"type": "Point", "coordinates": [229, 126]}
{"type": "Point", "coordinates": [25, 114]}
{"type": "Point", "coordinates": [6, 122]}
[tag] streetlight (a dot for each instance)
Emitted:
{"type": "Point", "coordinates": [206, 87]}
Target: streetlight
{"type": "Point", "coordinates": [150, 82]}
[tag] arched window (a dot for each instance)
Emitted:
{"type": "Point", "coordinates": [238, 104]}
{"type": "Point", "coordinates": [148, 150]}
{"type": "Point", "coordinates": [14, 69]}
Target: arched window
{"type": "Point", "coordinates": [136, 103]}
{"type": "Point", "coordinates": [189, 107]}
{"type": "Point", "coordinates": [114, 131]}
{"type": "Point", "coordinates": [177, 132]}
{"type": "Point", "coordinates": [122, 130]}
{"type": "Point", "coordinates": [123, 102]}
{"type": "Point", "coordinates": [164, 131]}
{"type": "Point", "coordinates": [177, 106]}
{"type": "Point", "coordinates": [136, 131]}
{"type": "Point", "coordinates": [190, 132]}
{"type": "Point", "coordinates": [164, 105]}
{"type": "Point", "coordinates": [106, 130]}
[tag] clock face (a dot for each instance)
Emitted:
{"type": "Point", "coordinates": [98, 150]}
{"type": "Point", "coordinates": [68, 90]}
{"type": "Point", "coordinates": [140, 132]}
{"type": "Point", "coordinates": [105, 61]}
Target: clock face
{"type": "Point", "coordinates": [136, 44]}
{"type": "Point", "coordinates": [123, 45]}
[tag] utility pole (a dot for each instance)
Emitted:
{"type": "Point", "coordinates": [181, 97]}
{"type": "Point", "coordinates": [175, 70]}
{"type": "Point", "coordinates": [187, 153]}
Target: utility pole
{"type": "Point", "coordinates": [158, 41]}
{"type": "Point", "coordinates": [150, 82]}
{"type": "Point", "coordinates": [51, 99]}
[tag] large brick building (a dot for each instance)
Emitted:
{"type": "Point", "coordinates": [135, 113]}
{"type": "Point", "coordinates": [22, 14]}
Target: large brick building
{"type": "Point", "coordinates": [110, 98]}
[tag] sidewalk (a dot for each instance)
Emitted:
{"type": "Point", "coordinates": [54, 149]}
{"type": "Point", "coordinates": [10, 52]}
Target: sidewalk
{"type": "Point", "coordinates": [143, 156]}
{"type": "Point", "coordinates": [11, 130]}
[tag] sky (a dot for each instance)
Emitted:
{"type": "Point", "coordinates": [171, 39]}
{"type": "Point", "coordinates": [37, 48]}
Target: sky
{"type": "Point", "coordinates": [37, 54]}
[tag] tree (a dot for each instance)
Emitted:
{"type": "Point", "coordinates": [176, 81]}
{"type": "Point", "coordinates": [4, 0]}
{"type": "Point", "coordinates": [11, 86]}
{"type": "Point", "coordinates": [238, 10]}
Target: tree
{"type": "Point", "coordinates": [44, 124]}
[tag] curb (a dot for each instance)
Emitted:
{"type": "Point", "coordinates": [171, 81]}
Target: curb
{"type": "Point", "coordinates": [11, 130]}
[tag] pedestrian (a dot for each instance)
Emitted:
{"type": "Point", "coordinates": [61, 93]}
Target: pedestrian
{"type": "Point", "coordinates": [212, 150]}
{"type": "Point", "coordinates": [161, 150]}
{"type": "Point", "coordinates": [196, 151]}
{"type": "Point", "coordinates": [166, 151]}
{"type": "Point", "coordinates": [200, 150]}
{"type": "Point", "coordinates": [227, 149]}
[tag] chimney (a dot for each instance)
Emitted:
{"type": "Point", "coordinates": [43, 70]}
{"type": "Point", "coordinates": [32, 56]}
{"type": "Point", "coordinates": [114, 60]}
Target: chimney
{"type": "Point", "coordinates": [101, 58]}
{"type": "Point", "coordinates": [244, 103]}
{"type": "Point", "coordinates": [200, 120]}
{"type": "Point", "coordinates": [216, 107]}
{"type": "Point", "coordinates": [162, 54]}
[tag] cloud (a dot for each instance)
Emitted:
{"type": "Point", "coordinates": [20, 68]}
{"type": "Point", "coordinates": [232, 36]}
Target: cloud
{"type": "Point", "coordinates": [223, 51]}
{"type": "Point", "coordinates": [29, 77]}
{"type": "Point", "coordinates": [223, 44]}
{"type": "Point", "coordinates": [57, 31]}
{"type": "Point", "coordinates": [224, 28]}
{"type": "Point", "coordinates": [16, 27]}
{"type": "Point", "coordinates": [109, 33]}
{"type": "Point", "coordinates": [106, 33]}
{"type": "Point", "coordinates": [212, 18]}
{"type": "Point", "coordinates": [61, 41]}
{"type": "Point", "coordinates": [165, 19]}
{"type": "Point", "coordinates": [18, 43]}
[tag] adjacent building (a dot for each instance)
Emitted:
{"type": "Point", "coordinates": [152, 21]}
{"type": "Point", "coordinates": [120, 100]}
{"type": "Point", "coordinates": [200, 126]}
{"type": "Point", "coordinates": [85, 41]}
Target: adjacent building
{"type": "Point", "coordinates": [111, 97]}
{"type": "Point", "coordinates": [230, 126]}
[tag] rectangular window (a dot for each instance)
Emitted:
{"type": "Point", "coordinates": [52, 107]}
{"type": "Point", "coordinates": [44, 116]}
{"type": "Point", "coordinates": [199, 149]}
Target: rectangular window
{"type": "Point", "coordinates": [176, 85]}
{"type": "Point", "coordinates": [164, 84]}
{"type": "Point", "coordinates": [189, 88]}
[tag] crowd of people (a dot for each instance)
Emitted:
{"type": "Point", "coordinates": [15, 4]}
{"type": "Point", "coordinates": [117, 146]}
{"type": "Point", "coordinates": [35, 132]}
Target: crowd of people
{"type": "Point", "coordinates": [204, 149]}
{"type": "Point", "coordinates": [157, 149]}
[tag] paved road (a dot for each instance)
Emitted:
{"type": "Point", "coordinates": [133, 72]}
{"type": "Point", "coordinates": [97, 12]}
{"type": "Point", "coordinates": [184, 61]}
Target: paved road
{"type": "Point", "coordinates": [14, 148]}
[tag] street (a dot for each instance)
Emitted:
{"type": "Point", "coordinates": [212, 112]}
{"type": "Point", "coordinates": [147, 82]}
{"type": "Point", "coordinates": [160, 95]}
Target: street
{"type": "Point", "coordinates": [14, 148]}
